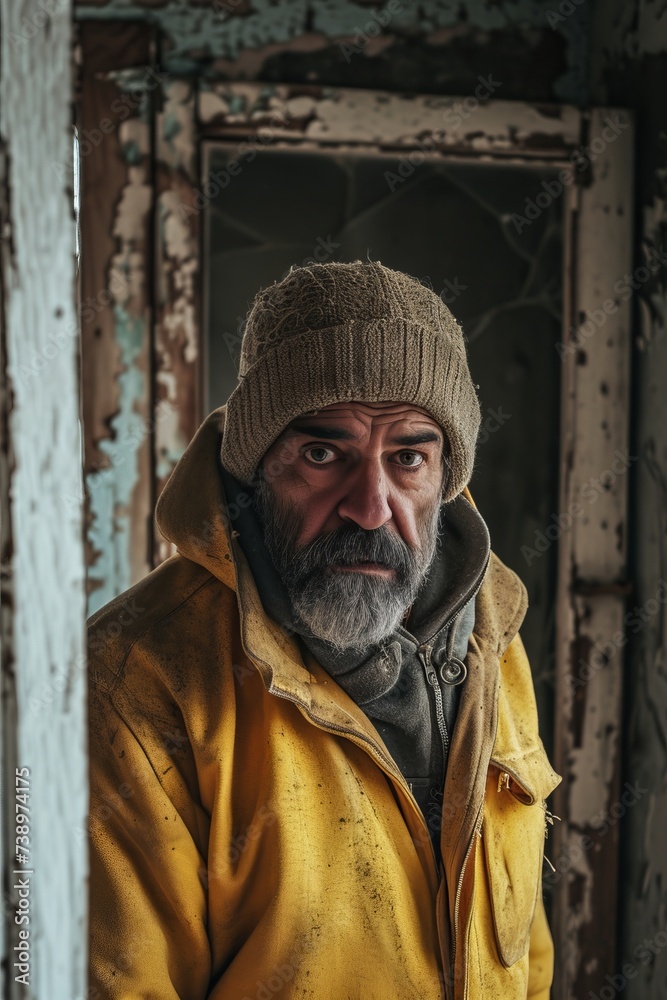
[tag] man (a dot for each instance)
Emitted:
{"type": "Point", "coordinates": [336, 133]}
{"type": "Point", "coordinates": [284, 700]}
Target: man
{"type": "Point", "coordinates": [315, 763]}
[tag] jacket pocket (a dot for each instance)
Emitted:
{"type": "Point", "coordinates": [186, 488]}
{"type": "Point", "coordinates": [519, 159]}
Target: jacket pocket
{"type": "Point", "coordinates": [513, 835]}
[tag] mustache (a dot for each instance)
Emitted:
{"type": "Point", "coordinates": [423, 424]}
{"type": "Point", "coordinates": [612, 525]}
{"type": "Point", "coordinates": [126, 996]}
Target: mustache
{"type": "Point", "coordinates": [350, 545]}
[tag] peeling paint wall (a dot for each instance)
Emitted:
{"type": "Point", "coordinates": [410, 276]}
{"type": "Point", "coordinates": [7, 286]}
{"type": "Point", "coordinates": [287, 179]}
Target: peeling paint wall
{"type": "Point", "coordinates": [177, 373]}
{"type": "Point", "coordinates": [629, 64]}
{"type": "Point", "coordinates": [438, 46]}
{"type": "Point", "coordinates": [613, 52]}
{"type": "Point", "coordinates": [111, 494]}
{"type": "Point", "coordinates": [114, 133]}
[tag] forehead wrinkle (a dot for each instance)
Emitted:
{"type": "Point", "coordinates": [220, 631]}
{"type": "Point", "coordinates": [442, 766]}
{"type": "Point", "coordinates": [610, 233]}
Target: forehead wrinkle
{"type": "Point", "coordinates": [321, 430]}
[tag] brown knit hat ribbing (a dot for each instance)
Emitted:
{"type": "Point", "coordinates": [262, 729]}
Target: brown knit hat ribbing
{"type": "Point", "coordinates": [328, 333]}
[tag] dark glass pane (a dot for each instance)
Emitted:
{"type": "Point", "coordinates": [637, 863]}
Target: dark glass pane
{"type": "Point", "coordinates": [462, 228]}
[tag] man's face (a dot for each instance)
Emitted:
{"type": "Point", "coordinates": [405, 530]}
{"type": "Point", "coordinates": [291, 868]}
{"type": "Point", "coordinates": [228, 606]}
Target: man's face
{"type": "Point", "coordinates": [349, 499]}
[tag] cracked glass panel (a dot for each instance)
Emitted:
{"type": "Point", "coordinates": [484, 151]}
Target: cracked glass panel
{"type": "Point", "coordinates": [488, 239]}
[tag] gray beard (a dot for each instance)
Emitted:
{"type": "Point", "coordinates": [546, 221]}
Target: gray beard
{"type": "Point", "coordinates": [351, 611]}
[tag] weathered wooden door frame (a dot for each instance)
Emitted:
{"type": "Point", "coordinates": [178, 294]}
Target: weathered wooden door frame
{"type": "Point", "coordinates": [155, 329]}
{"type": "Point", "coordinates": [44, 772]}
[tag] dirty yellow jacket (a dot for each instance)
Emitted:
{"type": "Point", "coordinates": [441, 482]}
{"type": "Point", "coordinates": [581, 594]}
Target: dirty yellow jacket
{"type": "Point", "coordinates": [250, 835]}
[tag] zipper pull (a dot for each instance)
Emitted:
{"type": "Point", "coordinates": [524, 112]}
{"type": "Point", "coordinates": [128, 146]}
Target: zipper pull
{"type": "Point", "coordinates": [503, 781]}
{"type": "Point", "coordinates": [425, 654]}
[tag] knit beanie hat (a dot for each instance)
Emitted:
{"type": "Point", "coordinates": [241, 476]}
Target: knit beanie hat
{"type": "Point", "coordinates": [330, 333]}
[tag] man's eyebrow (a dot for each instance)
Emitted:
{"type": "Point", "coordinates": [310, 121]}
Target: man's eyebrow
{"type": "Point", "coordinates": [339, 434]}
{"type": "Point", "coordinates": [423, 437]}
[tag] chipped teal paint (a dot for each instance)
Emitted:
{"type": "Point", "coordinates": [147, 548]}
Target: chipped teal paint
{"type": "Point", "coordinates": [140, 81]}
{"type": "Point", "coordinates": [576, 29]}
{"type": "Point", "coordinates": [166, 461]}
{"type": "Point", "coordinates": [171, 127]}
{"type": "Point", "coordinates": [216, 35]}
{"type": "Point", "coordinates": [111, 489]}
{"type": "Point", "coordinates": [237, 105]}
{"type": "Point", "coordinates": [131, 153]}
{"type": "Point", "coordinates": [146, 108]}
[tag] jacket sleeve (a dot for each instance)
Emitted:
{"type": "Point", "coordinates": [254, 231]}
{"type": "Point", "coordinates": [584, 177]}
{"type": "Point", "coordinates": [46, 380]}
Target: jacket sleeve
{"type": "Point", "coordinates": [147, 901]}
{"type": "Point", "coordinates": [541, 955]}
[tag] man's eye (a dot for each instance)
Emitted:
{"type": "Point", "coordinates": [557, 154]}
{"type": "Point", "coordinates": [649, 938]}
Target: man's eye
{"type": "Point", "coordinates": [319, 454]}
{"type": "Point", "coordinates": [410, 459]}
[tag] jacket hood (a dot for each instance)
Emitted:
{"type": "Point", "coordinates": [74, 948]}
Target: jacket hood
{"type": "Point", "coordinates": [195, 515]}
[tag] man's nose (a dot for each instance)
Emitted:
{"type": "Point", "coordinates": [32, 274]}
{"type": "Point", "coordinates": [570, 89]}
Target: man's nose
{"type": "Point", "coordinates": [366, 499]}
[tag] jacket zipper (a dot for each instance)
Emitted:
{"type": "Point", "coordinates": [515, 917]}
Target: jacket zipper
{"type": "Point", "coordinates": [426, 649]}
{"type": "Point", "coordinates": [425, 656]}
{"type": "Point", "coordinates": [433, 680]}
{"type": "Point", "coordinates": [459, 887]}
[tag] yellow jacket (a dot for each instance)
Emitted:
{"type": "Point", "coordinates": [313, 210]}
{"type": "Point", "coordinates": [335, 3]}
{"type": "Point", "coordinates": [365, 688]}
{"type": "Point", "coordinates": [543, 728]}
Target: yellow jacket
{"type": "Point", "coordinates": [250, 835]}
